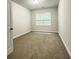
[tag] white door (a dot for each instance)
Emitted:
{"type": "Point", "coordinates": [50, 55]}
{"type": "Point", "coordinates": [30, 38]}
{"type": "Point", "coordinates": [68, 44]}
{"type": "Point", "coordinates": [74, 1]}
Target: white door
{"type": "Point", "coordinates": [9, 29]}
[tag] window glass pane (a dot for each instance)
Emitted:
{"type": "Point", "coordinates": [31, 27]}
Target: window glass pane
{"type": "Point", "coordinates": [47, 16]}
{"type": "Point", "coordinates": [43, 22]}
{"type": "Point", "coordinates": [39, 22]}
{"type": "Point", "coordinates": [47, 23]}
{"type": "Point", "coordinates": [43, 18]}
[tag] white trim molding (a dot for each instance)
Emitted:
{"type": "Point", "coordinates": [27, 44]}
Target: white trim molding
{"type": "Point", "coordinates": [65, 45]}
{"type": "Point", "coordinates": [9, 51]}
{"type": "Point", "coordinates": [20, 35]}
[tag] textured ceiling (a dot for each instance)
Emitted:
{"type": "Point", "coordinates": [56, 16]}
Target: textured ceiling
{"type": "Point", "coordinates": [42, 3]}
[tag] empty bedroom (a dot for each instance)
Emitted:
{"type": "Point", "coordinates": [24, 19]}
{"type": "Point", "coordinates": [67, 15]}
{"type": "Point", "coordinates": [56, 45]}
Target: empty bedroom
{"type": "Point", "coordinates": [39, 29]}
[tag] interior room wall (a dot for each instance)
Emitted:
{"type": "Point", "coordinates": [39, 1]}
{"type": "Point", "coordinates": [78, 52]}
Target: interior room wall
{"type": "Point", "coordinates": [64, 22]}
{"type": "Point", "coordinates": [21, 20]}
{"type": "Point", "coordinates": [53, 27]}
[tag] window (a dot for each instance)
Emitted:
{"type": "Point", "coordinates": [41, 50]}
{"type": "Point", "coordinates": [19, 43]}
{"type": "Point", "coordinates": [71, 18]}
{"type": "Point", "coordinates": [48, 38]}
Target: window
{"type": "Point", "coordinates": [43, 18]}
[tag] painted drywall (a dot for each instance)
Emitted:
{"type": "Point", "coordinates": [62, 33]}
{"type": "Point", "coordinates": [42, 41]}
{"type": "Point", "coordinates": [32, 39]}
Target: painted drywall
{"type": "Point", "coordinates": [64, 22]}
{"type": "Point", "coordinates": [54, 18]}
{"type": "Point", "coordinates": [9, 36]}
{"type": "Point", "coordinates": [21, 20]}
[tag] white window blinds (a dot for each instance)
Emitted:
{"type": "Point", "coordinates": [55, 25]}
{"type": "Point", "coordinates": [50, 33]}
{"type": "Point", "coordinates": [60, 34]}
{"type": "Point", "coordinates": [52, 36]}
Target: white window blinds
{"type": "Point", "coordinates": [43, 18]}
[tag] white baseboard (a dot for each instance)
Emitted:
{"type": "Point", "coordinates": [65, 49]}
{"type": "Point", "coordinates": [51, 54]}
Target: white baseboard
{"type": "Point", "coordinates": [65, 45]}
{"type": "Point", "coordinates": [44, 31]}
{"type": "Point", "coordinates": [9, 51]}
{"type": "Point", "coordinates": [20, 34]}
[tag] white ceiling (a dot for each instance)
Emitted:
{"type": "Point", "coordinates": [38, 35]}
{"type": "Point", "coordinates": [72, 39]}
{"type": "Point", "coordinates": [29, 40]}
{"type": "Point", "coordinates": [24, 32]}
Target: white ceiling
{"type": "Point", "coordinates": [42, 3]}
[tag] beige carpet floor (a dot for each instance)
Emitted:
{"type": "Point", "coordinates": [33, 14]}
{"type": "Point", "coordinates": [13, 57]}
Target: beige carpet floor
{"type": "Point", "coordinates": [37, 45]}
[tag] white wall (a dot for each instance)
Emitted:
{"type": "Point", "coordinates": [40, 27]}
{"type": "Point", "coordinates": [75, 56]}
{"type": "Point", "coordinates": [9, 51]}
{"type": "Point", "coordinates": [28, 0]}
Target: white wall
{"type": "Point", "coordinates": [53, 27]}
{"type": "Point", "coordinates": [21, 20]}
{"type": "Point", "coordinates": [65, 23]}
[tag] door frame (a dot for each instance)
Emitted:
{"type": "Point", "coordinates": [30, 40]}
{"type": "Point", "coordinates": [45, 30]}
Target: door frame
{"type": "Point", "coordinates": [9, 19]}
